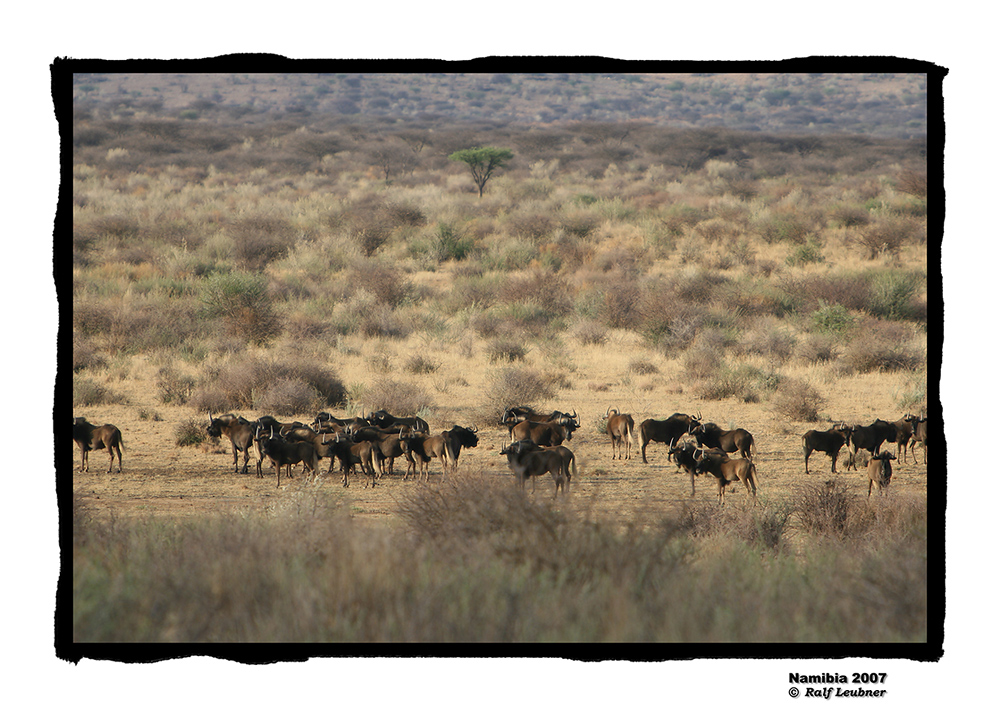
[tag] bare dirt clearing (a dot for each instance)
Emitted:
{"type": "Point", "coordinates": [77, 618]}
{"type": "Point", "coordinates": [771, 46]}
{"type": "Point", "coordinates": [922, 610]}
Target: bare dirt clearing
{"type": "Point", "coordinates": [160, 478]}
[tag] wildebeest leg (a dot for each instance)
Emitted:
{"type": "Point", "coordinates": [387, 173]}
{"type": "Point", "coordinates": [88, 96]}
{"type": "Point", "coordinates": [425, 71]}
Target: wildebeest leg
{"type": "Point", "coordinates": [833, 464]}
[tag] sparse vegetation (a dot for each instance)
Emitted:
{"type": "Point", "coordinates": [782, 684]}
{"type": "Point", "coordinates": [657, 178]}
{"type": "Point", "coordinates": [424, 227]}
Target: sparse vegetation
{"type": "Point", "coordinates": [292, 251]}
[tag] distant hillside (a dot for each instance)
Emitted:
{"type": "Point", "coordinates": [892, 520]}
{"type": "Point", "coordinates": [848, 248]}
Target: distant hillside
{"type": "Point", "coordinates": [878, 104]}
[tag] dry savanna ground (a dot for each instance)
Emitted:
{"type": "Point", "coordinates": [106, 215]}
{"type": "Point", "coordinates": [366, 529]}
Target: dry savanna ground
{"type": "Point", "coordinates": [161, 478]}
{"type": "Point", "coordinates": [317, 262]}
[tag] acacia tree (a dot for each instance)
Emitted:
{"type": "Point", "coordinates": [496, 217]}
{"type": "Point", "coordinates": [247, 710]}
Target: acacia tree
{"type": "Point", "coordinates": [483, 161]}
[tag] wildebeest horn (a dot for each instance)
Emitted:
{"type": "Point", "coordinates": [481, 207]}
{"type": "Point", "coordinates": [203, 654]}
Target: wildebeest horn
{"type": "Point", "coordinates": [475, 428]}
{"type": "Point", "coordinates": [209, 416]}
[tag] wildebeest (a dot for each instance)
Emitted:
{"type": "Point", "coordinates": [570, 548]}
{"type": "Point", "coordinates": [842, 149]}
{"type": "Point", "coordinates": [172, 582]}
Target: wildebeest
{"type": "Point", "coordinates": [738, 440]}
{"type": "Point", "coordinates": [826, 441]}
{"type": "Point", "coordinates": [903, 436]}
{"type": "Point", "coordinates": [240, 433]}
{"type": "Point", "coordinates": [526, 459]}
{"type": "Point", "coordinates": [95, 437]}
{"type": "Point", "coordinates": [545, 434]}
{"type": "Point", "coordinates": [382, 419]}
{"type": "Point", "coordinates": [621, 428]}
{"type": "Point", "coordinates": [727, 470]}
{"type": "Point", "coordinates": [513, 416]}
{"type": "Point", "coordinates": [867, 437]}
{"type": "Point", "coordinates": [919, 426]}
{"type": "Point", "coordinates": [458, 438]}
{"type": "Point", "coordinates": [282, 453]}
{"type": "Point", "coordinates": [665, 431]}
{"type": "Point", "coordinates": [684, 456]}
{"type": "Point", "coordinates": [350, 452]}
{"type": "Point", "coordinates": [420, 450]}
{"type": "Point", "coordinates": [269, 422]}
{"type": "Point", "coordinates": [879, 471]}
{"type": "Point", "coordinates": [389, 445]}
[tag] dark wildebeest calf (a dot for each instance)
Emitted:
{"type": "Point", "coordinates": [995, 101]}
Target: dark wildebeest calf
{"type": "Point", "coordinates": [727, 470]}
{"type": "Point", "coordinates": [879, 471]}
{"type": "Point", "coordinates": [92, 437]}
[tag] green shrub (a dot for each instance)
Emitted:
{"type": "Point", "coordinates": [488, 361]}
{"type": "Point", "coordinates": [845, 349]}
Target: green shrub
{"type": "Point", "coordinates": [454, 244]}
{"type": "Point", "coordinates": [892, 295]}
{"type": "Point", "coordinates": [810, 252]}
{"type": "Point", "coordinates": [833, 319]}
{"type": "Point", "coordinates": [242, 301]}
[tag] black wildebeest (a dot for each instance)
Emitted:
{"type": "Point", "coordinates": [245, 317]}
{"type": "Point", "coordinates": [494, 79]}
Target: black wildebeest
{"type": "Point", "coordinates": [350, 452]}
{"type": "Point", "coordinates": [826, 441]}
{"type": "Point", "coordinates": [621, 428]}
{"type": "Point", "coordinates": [95, 437]}
{"type": "Point", "coordinates": [545, 434]}
{"type": "Point", "coordinates": [879, 471]}
{"type": "Point", "coordinates": [421, 448]}
{"type": "Point", "coordinates": [684, 456]}
{"type": "Point", "coordinates": [526, 459]}
{"type": "Point", "coordinates": [738, 440]}
{"type": "Point", "coordinates": [666, 431]}
{"type": "Point", "coordinates": [282, 453]}
{"type": "Point", "coordinates": [382, 419]}
{"type": "Point", "coordinates": [240, 433]}
{"type": "Point", "coordinates": [389, 444]}
{"type": "Point", "coordinates": [902, 436]}
{"type": "Point", "coordinates": [458, 438]}
{"type": "Point", "coordinates": [513, 416]}
{"type": "Point", "coordinates": [868, 437]}
{"type": "Point", "coordinates": [919, 428]}
{"type": "Point", "coordinates": [727, 470]}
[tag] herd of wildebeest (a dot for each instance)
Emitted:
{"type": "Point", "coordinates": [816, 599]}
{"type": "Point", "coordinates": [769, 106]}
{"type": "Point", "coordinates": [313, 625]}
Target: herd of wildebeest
{"type": "Point", "coordinates": [535, 445]}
